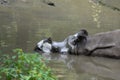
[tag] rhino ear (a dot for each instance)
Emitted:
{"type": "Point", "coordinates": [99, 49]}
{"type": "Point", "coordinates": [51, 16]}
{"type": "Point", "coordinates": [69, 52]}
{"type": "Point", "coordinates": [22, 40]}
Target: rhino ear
{"type": "Point", "coordinates": [84, 31]}
{"type": "Point", "coordinates": [50, 40]}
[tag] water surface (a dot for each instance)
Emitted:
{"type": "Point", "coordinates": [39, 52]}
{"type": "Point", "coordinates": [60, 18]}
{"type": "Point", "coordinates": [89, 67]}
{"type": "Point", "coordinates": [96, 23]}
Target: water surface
{"type": "Point", "coordinates": [25, 22]}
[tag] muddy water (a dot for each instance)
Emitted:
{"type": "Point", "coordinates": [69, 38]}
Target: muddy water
{"type": "Point", "coordinates": [24, 22]}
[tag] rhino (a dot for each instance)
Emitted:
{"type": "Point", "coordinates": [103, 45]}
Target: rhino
{"type": "Point", "coordinates": [104, 44]}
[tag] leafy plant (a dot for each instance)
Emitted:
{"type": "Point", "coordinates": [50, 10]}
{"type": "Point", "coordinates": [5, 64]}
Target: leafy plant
{"type": "Point", "coordinates": [24, 66]}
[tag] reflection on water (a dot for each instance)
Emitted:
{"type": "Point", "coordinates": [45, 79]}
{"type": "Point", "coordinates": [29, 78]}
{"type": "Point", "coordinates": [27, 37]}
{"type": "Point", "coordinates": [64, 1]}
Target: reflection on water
{"type": "Point", "coordinates": [69, 67]}
{"type": "Point", "coordinates": [24, 22]}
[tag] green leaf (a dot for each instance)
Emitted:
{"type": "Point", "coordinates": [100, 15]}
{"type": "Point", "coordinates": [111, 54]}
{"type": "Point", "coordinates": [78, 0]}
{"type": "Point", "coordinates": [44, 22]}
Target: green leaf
{"type": "Point", "coordinates": [13, 57]}
{"type": "Point", "coordinates": [25, 66]}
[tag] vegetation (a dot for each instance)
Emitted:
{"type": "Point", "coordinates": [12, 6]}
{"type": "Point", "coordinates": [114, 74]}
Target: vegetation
{"type": "Point", "coordinates": [24, 66]}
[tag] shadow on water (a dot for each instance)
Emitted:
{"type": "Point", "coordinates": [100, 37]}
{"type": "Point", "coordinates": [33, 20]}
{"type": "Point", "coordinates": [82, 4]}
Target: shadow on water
{"type": "Point", "coordinates": [24, 22]}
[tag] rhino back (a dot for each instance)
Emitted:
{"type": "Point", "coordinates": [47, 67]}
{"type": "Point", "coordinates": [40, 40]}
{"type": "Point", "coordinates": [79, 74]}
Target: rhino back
{"type": "Point", "coordinates": [105, 39]}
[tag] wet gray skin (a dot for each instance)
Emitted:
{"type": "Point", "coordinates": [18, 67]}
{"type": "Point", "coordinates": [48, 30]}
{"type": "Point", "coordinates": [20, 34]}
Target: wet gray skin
{"type": "Point", "coordinates": [104, 44]}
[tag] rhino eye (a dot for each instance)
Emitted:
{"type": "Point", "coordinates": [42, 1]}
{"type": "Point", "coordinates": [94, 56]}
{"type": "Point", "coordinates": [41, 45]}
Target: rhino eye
{"type": "Point", "coordinates": [41, 46]}
{"type": "Point", "coordinates": [75, 42]}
